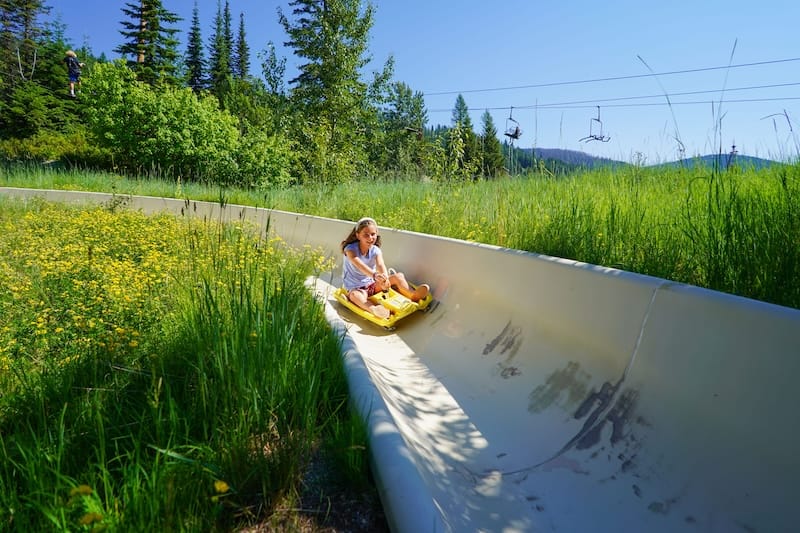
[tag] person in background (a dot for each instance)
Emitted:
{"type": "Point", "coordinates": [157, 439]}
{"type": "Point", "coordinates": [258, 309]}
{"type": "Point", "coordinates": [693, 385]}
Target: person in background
{"type": "Point", "coordinates": [365, 273]}
{"type": "Point", "coordinates": [73, 71]}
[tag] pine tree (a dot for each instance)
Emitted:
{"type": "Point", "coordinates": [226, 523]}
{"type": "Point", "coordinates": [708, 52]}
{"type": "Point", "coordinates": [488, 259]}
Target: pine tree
{"type": "Point", "coordinates": [461, 113]}
{"type": "Point", "coordinates": [491, 149]}
{"type": "Point", "coordinates": [464, 139]}
{"type": "Point", "coordinates": [20, 34]}
{"type": "Point", "coordinates": [228, 33]}
{"type": "Point", "coordinates": [220, 53]}
{"type": "Point", "coordinates": [241, 58]}
{"type": "Point", "coordinates": [406, 110]}
{"type": "Point", "coordinates": [404, 122]}
{"type": "Point", "coordinates": [195, 61]}
{"type": "Point", "coordinates": [331, 36]}
{"type": "Point", "coordinates": [33, 76]}
{"type": "Point", "coordinates": [150, 41]}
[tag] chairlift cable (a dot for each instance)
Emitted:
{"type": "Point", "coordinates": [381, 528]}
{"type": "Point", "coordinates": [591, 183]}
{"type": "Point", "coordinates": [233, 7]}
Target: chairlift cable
{"type": "Point", "coordinates": [614, 78]}
{"type": "Point", "coordinates": [587, 105]}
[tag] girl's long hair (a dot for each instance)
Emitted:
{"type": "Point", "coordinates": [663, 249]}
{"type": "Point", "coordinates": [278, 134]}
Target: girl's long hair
{"type": "Point", "coordinates": [353, 237]}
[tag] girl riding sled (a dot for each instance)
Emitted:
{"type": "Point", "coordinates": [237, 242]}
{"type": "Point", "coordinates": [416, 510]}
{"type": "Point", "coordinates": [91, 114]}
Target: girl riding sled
{"type": "Point", "coordinates": [365, 273]}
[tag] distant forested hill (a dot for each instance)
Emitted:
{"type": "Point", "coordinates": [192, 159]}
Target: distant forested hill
{"type": "Point", "coordinates": [557, 160]}
{"type": "Point", "coordinates": [722, 161]}
{"type": "Point", "coordinates": [562, 161]}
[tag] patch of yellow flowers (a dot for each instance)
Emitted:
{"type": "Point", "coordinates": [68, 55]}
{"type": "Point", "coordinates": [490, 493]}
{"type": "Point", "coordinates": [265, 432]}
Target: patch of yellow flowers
{"type": "Point", "coordinates": [76, 282]}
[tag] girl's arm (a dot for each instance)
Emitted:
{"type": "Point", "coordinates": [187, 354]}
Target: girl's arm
{"type": "Point", "coordinates": [381, 275]}
{"type": "Point", "coordinates": [359, 263]}
{"type": "Point", "coordinates": [380, 267]}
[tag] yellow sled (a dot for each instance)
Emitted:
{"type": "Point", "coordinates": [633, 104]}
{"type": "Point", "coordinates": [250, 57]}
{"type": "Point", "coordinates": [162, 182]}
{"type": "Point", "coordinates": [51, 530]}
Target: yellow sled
{"type": "Point", "coordinates": [398, 305]}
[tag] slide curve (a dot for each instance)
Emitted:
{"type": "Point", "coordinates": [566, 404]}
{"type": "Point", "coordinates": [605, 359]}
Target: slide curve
{"type": "Point", "coordinates": [541, 394]}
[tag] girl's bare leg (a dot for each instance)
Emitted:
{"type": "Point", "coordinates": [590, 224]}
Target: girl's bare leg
{"type": "Point", "coordinates": [359, 297]}
{"type": "Point", "coordinates": [398, 281]}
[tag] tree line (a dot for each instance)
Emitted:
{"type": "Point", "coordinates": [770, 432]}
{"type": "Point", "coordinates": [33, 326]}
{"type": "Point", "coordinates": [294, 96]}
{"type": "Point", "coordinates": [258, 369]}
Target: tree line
{"type": "Point", "coordinates": [195, 110]}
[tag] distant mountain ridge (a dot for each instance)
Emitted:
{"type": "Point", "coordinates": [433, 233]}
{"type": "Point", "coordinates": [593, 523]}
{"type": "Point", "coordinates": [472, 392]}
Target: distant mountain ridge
{"type": "Point", "coordinates": [574, 157]}
{"type": "Point", "coordinates": [582, 159]}
{"type": "Point", "coordinates": [722, 161]}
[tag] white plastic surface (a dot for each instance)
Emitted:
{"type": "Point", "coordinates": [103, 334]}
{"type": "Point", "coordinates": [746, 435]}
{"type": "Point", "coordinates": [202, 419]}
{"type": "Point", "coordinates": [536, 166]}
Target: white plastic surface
{"type": "Point", "coordinates": [540, 394]}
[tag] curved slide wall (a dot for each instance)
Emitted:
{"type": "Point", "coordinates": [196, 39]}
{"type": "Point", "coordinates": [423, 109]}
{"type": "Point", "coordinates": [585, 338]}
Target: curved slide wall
{"type": "Point", "coordinates": [541, 394]}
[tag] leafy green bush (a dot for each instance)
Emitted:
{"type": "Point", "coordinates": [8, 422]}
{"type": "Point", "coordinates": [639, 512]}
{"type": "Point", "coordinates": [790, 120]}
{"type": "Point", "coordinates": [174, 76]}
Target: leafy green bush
{"type": "Point", "coordinates": [73, 149]}
{"type": "Point", "coordinates": [178, 132]}
{"type": "Point", "coordinates": [264, 160]}
{"type": "Point", "coordinates": [168, 128]}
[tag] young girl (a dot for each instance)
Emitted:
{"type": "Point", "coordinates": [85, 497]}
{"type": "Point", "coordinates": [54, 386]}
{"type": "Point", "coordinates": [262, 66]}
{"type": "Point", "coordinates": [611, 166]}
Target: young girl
{"type": "Point", "coordinates": [365, 273]}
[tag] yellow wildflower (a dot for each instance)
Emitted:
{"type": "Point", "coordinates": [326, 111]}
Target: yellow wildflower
{"type": "Point", "coordinates": [90, 518]}
{"type": "Point", "coordinates": [81, 490]}
{"type": "Point", "coordinates": [220, 486]}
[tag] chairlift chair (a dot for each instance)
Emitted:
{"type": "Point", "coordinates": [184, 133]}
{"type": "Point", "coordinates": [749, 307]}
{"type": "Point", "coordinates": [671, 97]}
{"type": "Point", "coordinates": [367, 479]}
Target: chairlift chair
{"type": "Point", "coordinates": [513, 130]}
{"type": "Point", "coordinates": [596, 132]}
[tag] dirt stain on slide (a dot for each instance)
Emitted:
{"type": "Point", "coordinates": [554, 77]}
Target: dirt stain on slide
{"type": "Point", "coordinates": [564, 387]}
{"type": "Point", "coordinates": [611, 405]}
{"type": "Point", "coordinates": [508, 341]}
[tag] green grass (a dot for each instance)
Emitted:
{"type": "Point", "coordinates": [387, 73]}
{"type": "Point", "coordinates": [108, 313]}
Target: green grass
{"type": "Point", "coordinates": [735, 231]}
{"type": "Point", "coordinates": [159, 374]}
{"type": "Point", "coordinates": [164, 375]}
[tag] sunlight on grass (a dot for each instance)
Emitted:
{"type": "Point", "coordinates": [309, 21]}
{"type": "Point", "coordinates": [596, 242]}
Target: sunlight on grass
{"type": "Point", "coordinates": [158, 374]}
{"type": "Point", "coordinates": [735, 230]}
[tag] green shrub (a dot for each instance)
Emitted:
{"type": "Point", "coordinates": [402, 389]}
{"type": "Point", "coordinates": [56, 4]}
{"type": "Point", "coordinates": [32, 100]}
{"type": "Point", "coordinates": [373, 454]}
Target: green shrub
{"type": "Point", "coordinates": [264, 161]}
{"type": "Point", "coordinates": [170, 129]}
{"type": "Point", "coordinates": [29, 108]}
{"type": "Point", "coordinates": [72, 149]}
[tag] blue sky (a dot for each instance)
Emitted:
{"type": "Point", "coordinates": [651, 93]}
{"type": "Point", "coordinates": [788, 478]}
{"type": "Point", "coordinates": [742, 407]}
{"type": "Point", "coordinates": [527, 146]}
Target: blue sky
{"type": "Point", "coordinates": [723, 66]}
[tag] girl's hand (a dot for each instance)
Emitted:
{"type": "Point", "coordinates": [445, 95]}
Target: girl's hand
{"type": "Point", "coordinates": [381, 281]}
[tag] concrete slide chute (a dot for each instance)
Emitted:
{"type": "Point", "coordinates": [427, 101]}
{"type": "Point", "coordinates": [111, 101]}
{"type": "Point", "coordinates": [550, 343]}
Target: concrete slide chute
{"type": "Point", "coordinates": [540, 394]}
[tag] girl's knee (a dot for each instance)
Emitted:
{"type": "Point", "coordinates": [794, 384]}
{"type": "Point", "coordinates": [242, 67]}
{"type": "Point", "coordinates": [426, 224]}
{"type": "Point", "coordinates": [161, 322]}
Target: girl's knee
{"type": "Point", "coordinates": [357, 296]}
{"type": "Point", "coordinates": [397, 279]}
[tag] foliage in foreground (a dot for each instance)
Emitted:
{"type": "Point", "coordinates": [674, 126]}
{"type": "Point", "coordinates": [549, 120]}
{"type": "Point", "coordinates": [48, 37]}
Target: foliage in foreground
{"type": "Point", "coordinates": [158, 374]}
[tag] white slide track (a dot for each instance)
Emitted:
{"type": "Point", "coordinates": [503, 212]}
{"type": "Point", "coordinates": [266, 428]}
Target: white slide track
{"type": "Point", "coordinates": [541, 394]}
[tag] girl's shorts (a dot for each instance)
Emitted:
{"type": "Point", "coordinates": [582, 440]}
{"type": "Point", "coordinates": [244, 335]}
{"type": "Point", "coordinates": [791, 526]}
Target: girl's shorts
{"type": "Point", "coordinates": [370, 289]}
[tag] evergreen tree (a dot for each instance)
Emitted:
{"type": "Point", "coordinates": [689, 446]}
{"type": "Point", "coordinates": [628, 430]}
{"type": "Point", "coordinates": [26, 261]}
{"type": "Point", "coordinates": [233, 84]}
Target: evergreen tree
{"type": "Point", "coordinates": [195, 61]}
{"type": "Point", "coordinates": [241, 58]}
{"type": "Point", "coordinates": [461, 113]}
{"type": "Point", "coordinates": [331, 36]}
{"type": "Point", "coordinates": [33, 76]}
{"type": "Point", "coordinates": [404, 122]}
{"type": "Point", "coordinates": [436, 133]}
{"type": "Point", "coordinates": [491, 149]}
{"type": "Point", "coordinates": [20, 37]}
{"type": "Point", "coordinates": [150, 41]}
{"type": "Point", "coordinates": [228, 33]}
{"type": "Point", "coordinates": [406, 109]}
{"type": "Point", "coordinates": [220, 54]}
{"type": "Point", "coordinates": [463, 141]}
